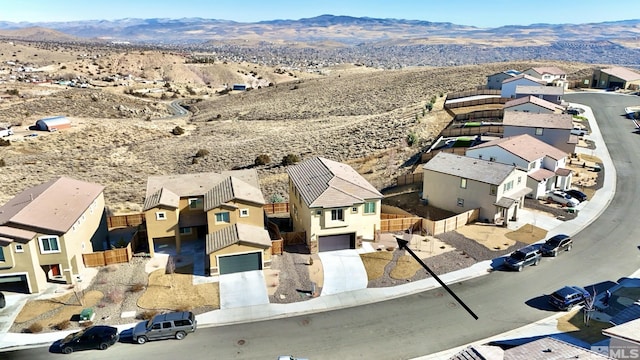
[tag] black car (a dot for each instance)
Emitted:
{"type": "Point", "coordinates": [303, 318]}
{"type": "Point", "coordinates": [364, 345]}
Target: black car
{"type": "Point", "coordinates": [576, 194]}
{"type": "Point", "coordinates": [528, 255]}
{"type": "Point", "coordinates": [93, 337]}
{"type": "Point", "coordinates": [555, 244]}
{"type": "Point", "coordinates": [3, 302]}
{"type": "Point", "coordinates": [568, 297]}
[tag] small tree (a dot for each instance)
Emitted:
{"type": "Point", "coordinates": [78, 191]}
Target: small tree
{"type": "Point", "coordinates": [412, 139]}
{"type": "Point", "coordinates": [290, 159]}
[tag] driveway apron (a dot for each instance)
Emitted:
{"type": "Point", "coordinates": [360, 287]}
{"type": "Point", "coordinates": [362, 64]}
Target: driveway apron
{"type": "Point", "coordinates": [242, 289]}
{"type": "Point", "coordinates": [343, 271]}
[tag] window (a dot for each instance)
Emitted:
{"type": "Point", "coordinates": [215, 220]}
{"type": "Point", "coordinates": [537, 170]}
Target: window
{"type": "Point", "coordinates": [492, 158]}
{"type": "Point", "coordinates": [519, 179]}
{"type": "Point", "coordinates": [195, 203]}
{"type": "Point", "coordinates": [222, 217]}
{"type": "Point", "coordinates": [370, 207]}
{"type": "Point", "coordinates": [49, 244]}
{"type": "Point", "coordinates": [539, 131]}
{"type": "Point", "coordinates": [161, 215]}
{"type": "Point", "coordinates": [463, 183]}
{"type": "Point", "coordinates": [460, 202]}
{"type": "Point", "coordinates": [318, 212]}
{"type": "Point", "coordinates": [244, 212]}
{"type": "Point", "coordinates": [185, 231]}
{"type": "Point", "coordinates": [337, 215]}
{"type": "Point", "coordinates": [19, 248]}
{"type": "Point", "coordinates": [508, 186]}
{"type": "Point", "coordinates": [354, 210]}
{"type": "Point", "coordinates": [2, 254]}
{"type": "Point", "coordinates": [493, 190]}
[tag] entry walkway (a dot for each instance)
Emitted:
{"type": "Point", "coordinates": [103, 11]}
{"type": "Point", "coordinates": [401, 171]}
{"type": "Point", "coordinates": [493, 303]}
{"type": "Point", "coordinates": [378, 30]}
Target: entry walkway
{"type": "Point", "coordinates": [343, 272]}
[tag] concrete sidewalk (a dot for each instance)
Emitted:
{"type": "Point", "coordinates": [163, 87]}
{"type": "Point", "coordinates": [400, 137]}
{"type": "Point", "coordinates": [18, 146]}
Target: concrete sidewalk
{"type": "Point", "coordinates": [588, 211]}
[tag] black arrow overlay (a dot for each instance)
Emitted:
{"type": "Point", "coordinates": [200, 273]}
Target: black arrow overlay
{"type": "Point", "coordinates": [402, 244]}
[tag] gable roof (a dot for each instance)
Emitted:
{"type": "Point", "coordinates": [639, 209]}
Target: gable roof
{"type": "Point", "coordinates": [524, 76]}
{"type": "Point", "coordinates": [539, 90]}
{"type": "Point", "coordinates": [489, 172]}
{"type": "Point", "coordinates": [163, 189]}
{"type": "Point", "coordinates": [327, 183]}
{"type": "Point", "coordinates": [535, 120]}
{"type": "Point", "coordinates": [51, 207]}
{"type": "Point", "coordinates": [622, 73]}
{"type": "Point", "coordinates": [548, 348]}
{"type": "Point", "coordinates": [533, 100]}
{"type": "Point", "coordinates": [510, 72]}
{"type": "Point", "coordinates": [232, 188]}
{"type": "Point", "coordinates": [551, 70]}
{"type": "Point", "coordinates": [242, 234]}
{"type": "Point", "coordinates": [525, 147]}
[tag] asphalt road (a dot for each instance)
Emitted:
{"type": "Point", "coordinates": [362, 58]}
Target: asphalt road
{"type": "Point", "coordinates": [432, 321]}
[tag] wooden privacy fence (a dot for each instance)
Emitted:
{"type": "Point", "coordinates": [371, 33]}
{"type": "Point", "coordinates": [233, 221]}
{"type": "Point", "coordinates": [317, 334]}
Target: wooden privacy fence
{"type": "Point", "coordinates": [409, 179]}
{"type": "Point", "coordinates": [463, 94]}
{"type": "Point", "coordinates": [484, 101]}
{"type": "Point", "coordinates": [429, 155]}
{"type": "Point", "coordinates": [125, 220]}
{"type": "Point", "coordinates": [276, 208]}
{"type": "Point", "coordinates": [277, 247]}
{"type": "Point", "coordinates": [491, 115]}
{"type": "Point", "coordinates": [294, 238]}
{"type": "Point", "coordinates": [472, 131]}
{"type": "Point", "coordinates": [400, 222]}
{"type": "Point", "coordinates": [108, 257]}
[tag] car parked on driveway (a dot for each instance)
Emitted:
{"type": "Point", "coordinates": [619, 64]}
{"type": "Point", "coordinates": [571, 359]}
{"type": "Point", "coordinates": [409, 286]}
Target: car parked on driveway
{"type": "Point", "coordinates": [528, 255]}
{"type": "Point", "coordinates": [92, 337]}
{"type": "Point", "coordinates": [3, 302]}
{"type": "Point", "coordinates": [578, 131]}
{"type": "Point", "coordinates": [165, 326]}
{"type": "Point", "coordinates": [555, 244]}
{"type": "Point", "coordinates": [561, 198]}
{"type": "Point", "coordinates": [568, 297]}
{"type": "Point", "coordinates": [576, 194]}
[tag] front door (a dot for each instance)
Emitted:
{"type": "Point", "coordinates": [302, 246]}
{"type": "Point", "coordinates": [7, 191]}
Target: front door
{"type": "Point", "coordinates": [55, 270]}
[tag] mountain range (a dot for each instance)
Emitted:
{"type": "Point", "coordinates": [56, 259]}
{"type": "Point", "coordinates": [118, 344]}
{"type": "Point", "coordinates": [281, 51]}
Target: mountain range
{"type": "Point", "coordinates": [338, 30]}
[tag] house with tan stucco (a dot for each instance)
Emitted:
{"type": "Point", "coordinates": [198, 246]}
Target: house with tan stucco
{"type": "Point", "coordinates": [334, 205]}
{"type": "Point", "coordinates": [221, 213]}
{"type": "Point", "coordinates": [45, 229]}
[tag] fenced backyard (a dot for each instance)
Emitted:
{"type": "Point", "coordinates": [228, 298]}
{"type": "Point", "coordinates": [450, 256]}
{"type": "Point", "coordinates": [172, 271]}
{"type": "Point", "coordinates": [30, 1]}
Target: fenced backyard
{"type": "Point", "coordinates": [108, 257]}
{"type": "Point", "coordinates": [404, 222]}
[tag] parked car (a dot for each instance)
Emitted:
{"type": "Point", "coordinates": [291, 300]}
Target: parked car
{"type": "Point", "coordinates": [568, 297]}
{"type": "Point", "coordinates": [92, 337]}
{"type": "Point", "coordinates": [289, 357]}
{"type": "Point", "coordinates": [3, 302]}
{"type": "Point", "coordinates": [165, 326]}
{"type": "Point", "coordinates": [578, 131]}
{"type": "Point", "coordinates": [571, 111]}
{"type": "Point", "coordinates": [528, 255]}
{"type": "Point", "coordinates": [576, 194]}
{"type": "Point", "coordinates": [555, 244]}
{"type": "Point", "coordinates": [562, 198]}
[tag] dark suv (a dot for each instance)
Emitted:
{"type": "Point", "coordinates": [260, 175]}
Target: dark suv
{"type": "Point", "coordinates": [555, 244]}
{"type": "Point", "coordinates": [568, 297]}
{"type": "Point", "coordinates": [165, 326]}
{"type": "Point", "coordinates": [528, 255]}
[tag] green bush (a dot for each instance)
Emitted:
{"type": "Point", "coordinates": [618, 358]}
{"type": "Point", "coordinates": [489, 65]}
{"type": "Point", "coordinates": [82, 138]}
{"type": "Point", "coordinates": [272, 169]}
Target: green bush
{"type": "Point", "coordinates": [290, 159]}
{"type": "Point", "coordinates": [262, 159]}
{"type": "Point", "coordinates": [276, 198]}
{"type": "Point", "coordinates": [412, 139]}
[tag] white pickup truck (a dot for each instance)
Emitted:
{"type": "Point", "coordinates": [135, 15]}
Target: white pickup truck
{"type": "Point", "coordinates": [5, 132]}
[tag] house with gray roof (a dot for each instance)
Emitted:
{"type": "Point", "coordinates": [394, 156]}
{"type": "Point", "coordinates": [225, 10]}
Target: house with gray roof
{"type": "Point", "coordinates": [45, 229]}
{"type": "Point", "coordinates": [544, 348]}
{"type": "Point", "coordinates": [545, 165]}
{"type": "Point", "coordinates": [509, 85]}
{"type": "Point", "coordinates": [334, 205]}
{"type": "Point", "coordinates": [553, 129]}
{"type": "Point", "coordinates": [461, 183]}
{"type": "Point", "coordinates": [221, 213]}
{"type": "Point", "coordinates": [616, 77]}
{"type": "Point", "coordinates": [548, 74]}
{"type": "Point", "coordinates": [549, 93]}
{"type": "Point", "coordinates": [494, 81]}
{"type": "Point", "coordinates": [533, 104]}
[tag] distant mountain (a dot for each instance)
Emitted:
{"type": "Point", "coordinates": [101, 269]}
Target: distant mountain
{"type": "Point", "coordinates": [326, 28]}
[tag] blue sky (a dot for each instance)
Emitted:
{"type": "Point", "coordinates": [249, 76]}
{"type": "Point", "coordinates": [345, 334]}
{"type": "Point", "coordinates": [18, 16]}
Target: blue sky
{"type": "Point", "coordinates": [488, 13]}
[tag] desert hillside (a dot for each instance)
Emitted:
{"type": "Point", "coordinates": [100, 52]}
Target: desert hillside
{"type": "Point", "coordinates": [350, 113]}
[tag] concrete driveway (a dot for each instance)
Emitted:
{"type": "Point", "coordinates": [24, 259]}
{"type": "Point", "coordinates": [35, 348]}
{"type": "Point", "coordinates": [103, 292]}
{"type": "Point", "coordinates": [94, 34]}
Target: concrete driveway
{"type": "Point", "coordinates": [343, 271]}
{"type": "Point", "coordinates": [8, 314]}
{"type": "Point", "coordinates": [242, 289]}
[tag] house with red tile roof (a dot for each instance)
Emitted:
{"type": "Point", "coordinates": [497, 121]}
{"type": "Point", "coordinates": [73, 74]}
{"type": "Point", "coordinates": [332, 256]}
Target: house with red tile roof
{"type": "Point", "coordinates": [45, 229]}
{"type": "Point", "coordinates": [545, 165]}
{"type": "Point", "coordinates": [335, 206]}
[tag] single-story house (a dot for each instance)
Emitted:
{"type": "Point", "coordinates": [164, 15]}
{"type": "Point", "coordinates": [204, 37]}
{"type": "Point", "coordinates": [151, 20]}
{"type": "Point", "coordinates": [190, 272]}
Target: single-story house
{"type": "Point", "coordinates": [616, 77]}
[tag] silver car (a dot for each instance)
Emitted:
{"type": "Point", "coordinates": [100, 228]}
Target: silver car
{"type": "Point", "coordinates": [165, 326]}
{"type": "Point", "coordinates": [562, 198]}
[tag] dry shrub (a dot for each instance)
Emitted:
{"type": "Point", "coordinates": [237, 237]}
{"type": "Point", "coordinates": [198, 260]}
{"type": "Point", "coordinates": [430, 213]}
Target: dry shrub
{"type": "Point", "coordinates": [35, 328]}
{"type": "Point", "coordinates": [147, 314]}
{"type": "Point", "coordinates": [63, 325]}
{"type": "Point", "coordinates": [136, 287]}
{"type": "Point", "coordinates": [86, 324]}
{"type": "Point", "coordinates": [182, 308]}
{"type": "Point", "coordinates": [115, 296]}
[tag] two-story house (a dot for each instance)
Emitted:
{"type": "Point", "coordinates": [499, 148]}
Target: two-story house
{"type": "Point", "coordinates": [549, 93]}
{"type": "Point", "coordinates": [460, 183]}
{"type": "Point", "coordinates": [333, 204]}
{"type": "Point", "coordinates": [221, 213]}
{"type": "Point", "coordinates": [544, 164]}
{"type": "Point", "coordinates": [548, 74]}
{"type": "Point", "coordinates": [494, 81]}
{"type": "Point", "coordinates": [553, 129]}
{"type": "Point", "coordinates": [533, 104]}
{"type": "Point", "coordinates": [44, 230]}
{"type": "Point", "coordinates": [509, 85]}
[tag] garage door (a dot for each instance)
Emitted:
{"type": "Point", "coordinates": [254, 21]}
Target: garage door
{"type": "Point", "coordinates": [238, 263]}
{"type": "Point", "coordinates": [14, 283]}
{"type": "Point", "coordinates": [336, 242]}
